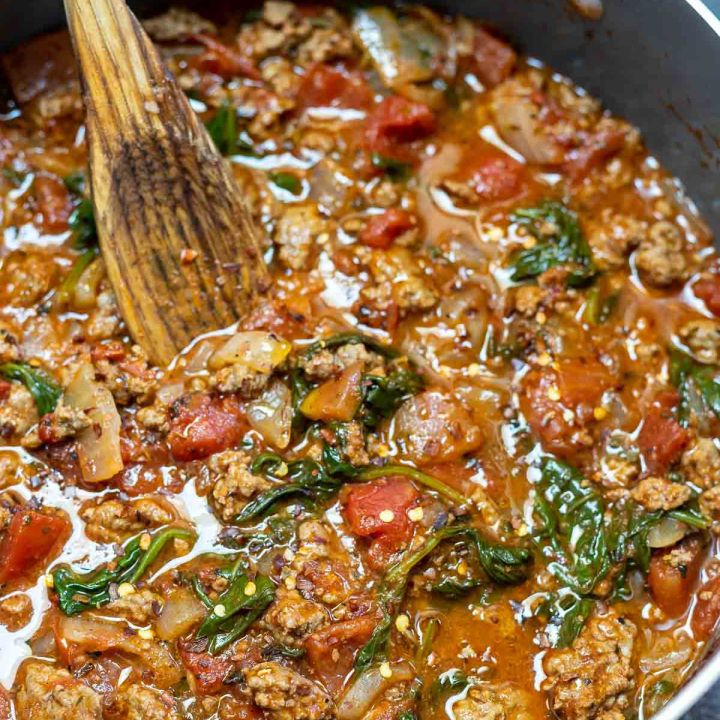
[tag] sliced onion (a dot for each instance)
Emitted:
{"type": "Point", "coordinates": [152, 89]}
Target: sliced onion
{"type": "Point", "coordinates": [404, 52]}
{"type": "Point", "coordinates": [86, 288]}
{"type": "Point", "coordinates": [271, 414]}
{"type": "Point", "coordinates": [168, 394]}
{"type": "Point", "coordinates": [98, 446]}
{"type": "Point", "coordinates": [93, 634]}
{"type": "Point", "coordinates": [361, 694]}
{"type": "Point", "coordinates": [181, 611]}
{"type": "Point", "coordinates": [666, 533]}
{"type": "Point", "coordinates": [516, 118]}
{"type": "Point", "coordinates": [199, 356]}
{"type": "Point", "coordinates": [257, 350]}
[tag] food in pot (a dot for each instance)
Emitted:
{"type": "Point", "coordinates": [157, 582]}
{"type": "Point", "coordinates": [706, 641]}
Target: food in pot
{"type": "Point", "coordinates": [462, 462]}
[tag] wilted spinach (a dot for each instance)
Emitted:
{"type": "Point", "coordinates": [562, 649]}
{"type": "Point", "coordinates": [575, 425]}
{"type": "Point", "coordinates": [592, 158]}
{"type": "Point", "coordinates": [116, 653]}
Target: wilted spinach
{"type": "Point", "coordinates": [503, 564]}
{"type": "Point", "coordinates": [236, 609]}
{"type": "Point", "coordinates": [286, 181]}
{"type": "Point", "coordinates": [45, 391]}
{"type": "Point", "coordinates": [698, 385]}
{"type": "Point", "coordinates": [572, 513]}
{"type": "Point", "coordinates": [560, 241]}
{"type": "Point", "coordinates": [382, 396]}
{"type": "Point", "coordinates": [81, 591]}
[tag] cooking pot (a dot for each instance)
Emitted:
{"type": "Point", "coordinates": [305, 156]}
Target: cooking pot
{"type": "Point", "coordinates": [654, 62]}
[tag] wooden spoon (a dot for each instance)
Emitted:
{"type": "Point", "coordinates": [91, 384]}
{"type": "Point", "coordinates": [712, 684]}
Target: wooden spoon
{"type": "Point", "coordinates": [178, 241]}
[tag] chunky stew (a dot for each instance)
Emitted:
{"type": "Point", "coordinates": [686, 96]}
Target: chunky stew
{"type": "Point", "coordinates": [461, 463]}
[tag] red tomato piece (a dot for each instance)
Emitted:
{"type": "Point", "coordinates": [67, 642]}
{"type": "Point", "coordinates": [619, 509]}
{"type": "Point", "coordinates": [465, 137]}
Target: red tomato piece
{"type": "Point", "coordinates": [707, 609]}
{"type": "Point", "coordinates": [583, 381]}
{"type": "Point", "coordinates": [378, 510]}
{"type": "Point", "coordinates": [29, 539]}
{"type": "Point", "coordinates": [5, 388]}
{"type": "Point", "coordinates": [112, 351]}
{"type": "Point", "coordinates": [381, 231]}
{"type": "Point", "coordinates": [708, 290]}
{"type": "Point", "coordinates": [224, 60]}
{"type": "Point", "coordinates": [54, 203]}
{"type": "Point", "coordinates": [498, 178]}
{"type": "Point", "coordinates": [493, 59]}
{"type": "Point", "coordinates": [545, 416]}
{"type": "Point", "coordinates": [331, 651]}
{"type": "Point", "coordinates": [276, 317]}
{"type": "Point", "coordinates": [209, 671]}
{"type": "Point", "coordinates": [662, 439]}
{"type": "Point", "coordinates": [672, 587]}
{"type": "Point", "coordinates": [325, 86]}
{"type": "Point", "coordinates": [203, 425]}
{"type": "Point", "coordinates": [594, 149]}
{"type": "Point", "coordinates": [396, 119]}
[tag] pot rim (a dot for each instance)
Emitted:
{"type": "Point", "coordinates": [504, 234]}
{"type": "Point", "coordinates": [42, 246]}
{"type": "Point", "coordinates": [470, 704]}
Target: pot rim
{"type": "Point", "coordinates": [709, 672]}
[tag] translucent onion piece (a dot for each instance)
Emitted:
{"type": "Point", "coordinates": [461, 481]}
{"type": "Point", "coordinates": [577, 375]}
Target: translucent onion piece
{"type": "Point", "coordinates": [181, 611]}
{"type": "Point", "coordinates": [99, 445]}
{"type": "Point", "coordinates": [271, 414]}
{"type": "Point", "coordinates": [666, 533]}
{"type": "Point", "coordinates": [256, 350]}
{"type": "Point", "coordinates": [361, 694]}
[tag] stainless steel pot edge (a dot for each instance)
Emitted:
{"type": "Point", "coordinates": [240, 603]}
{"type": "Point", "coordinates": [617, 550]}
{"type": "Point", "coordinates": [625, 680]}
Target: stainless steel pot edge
{"type": "Point", "coordinates": [706, 14]}
{"type": "Point", "coordinates": [709, 673]}
{"type": "Point", "coordinates": [693, 691]}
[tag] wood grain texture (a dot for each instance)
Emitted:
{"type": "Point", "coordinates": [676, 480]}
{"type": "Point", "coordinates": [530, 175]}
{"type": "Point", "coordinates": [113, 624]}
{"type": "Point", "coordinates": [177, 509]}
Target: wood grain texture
{"type": "Point", "coordinates": [159, 188]}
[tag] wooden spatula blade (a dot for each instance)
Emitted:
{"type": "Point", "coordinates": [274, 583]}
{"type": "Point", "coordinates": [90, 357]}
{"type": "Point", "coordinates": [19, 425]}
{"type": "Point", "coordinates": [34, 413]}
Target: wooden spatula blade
{"type": "Point", "coordinates": [176, 236]}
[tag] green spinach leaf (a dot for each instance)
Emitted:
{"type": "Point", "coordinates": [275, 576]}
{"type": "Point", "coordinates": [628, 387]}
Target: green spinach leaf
{"type": "Point", "coordinates": [82, 224]}
{"type": "Point", "coordinates": [560, 241]}
{"type": "Point", "coordinates": [236, 609]}
{"type": "Point", "coordinates": [287, 181]}
{"type": "Point", "coordinates": [698, 385]}
{"type": "Point", "coordinates": [572, 513]}
{"type": "Point", "coordinates": [81, 591]}
{"type": "Point", "coordinates": [45, 391]}
{"type": "Point", "coordinates": [503, 564]}
{"type": "Point", "coordinates": [396, 170]}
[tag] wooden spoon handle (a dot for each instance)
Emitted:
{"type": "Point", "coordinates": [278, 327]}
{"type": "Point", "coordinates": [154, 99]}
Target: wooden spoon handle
{"type": "Point", "coordinates": [177, 238]}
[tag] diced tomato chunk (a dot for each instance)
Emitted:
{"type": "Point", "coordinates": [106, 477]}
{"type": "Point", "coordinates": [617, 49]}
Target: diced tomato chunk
{"type": "Point", "coordinates": [30, 539]}
{"type": "Point", "coordinates": [672, 586]}
{"type": "Point", "coordinates": [337, 399]}
{"type": "Point", "coordinates": [54, 203]}
{"type": "Point", "coordinates": [548, 394]}
{"type": "Point", "coordinates": [395, 120]}
{"type": "Point", "coordinates": [498, 178]}
{"type": "Point", "coordinates": [203, 425]}
{"type": "Point", "coordinates": [325, 86]}
{"type": "Point", "coordinates": [708, 290]}
{"type": "Point", "coordinates": [583, 381]}
{"type": "Point", "coordinates": [491, 173]}
{"type": "Point", "coordinates": [594, 149]}
{"type": "Point", "coordinates": [209, 671]}
{"type": "Point", "coordinates": [331, 651]}
{"type": "Point", "coordinates": [5, 388]}
{"type": "Point", "coordinates": [224, 60]}
{"type": "Point", "coordinates": [112, 351]}
{"type": "Point", "coordinates": [378, 510]}
{"type": "Point", "coordinates": [707, 609]}
{"type": "Point", "coordinates": [275, 317]}
{"type": "Point", "coordinates": [662, 439]}
{"type": "Point", "coordinates": [381, 231]}
{"type": "Point", "coordinates": [544, 414]}
{"type": "Point", "coordinates": [493, 59]}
